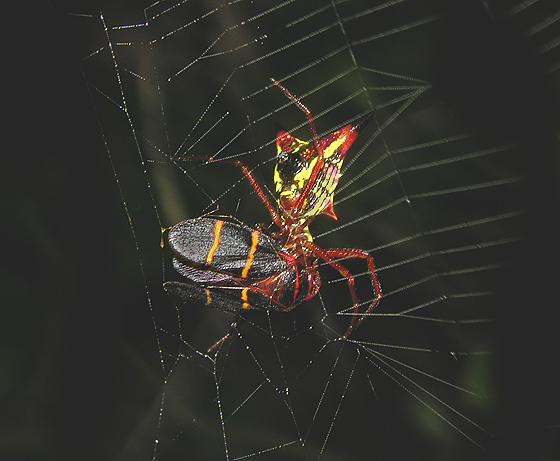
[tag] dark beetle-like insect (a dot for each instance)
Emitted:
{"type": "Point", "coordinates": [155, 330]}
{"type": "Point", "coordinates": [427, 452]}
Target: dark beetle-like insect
{"type": "Point", "coordinates": [234, 268]}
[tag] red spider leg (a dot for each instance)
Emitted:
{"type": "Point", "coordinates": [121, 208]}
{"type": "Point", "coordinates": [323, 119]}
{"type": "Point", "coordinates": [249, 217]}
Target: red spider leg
{"type": "Point", "coordinates": [304, 109]}
{"type": "Point", "coordinates": [262, 196]}
{"type": "Point", "coordinates": [319, 164]}
{"type": "Point", "coordinates": [330, 256]}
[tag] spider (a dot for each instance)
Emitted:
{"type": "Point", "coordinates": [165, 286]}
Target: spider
{"type": "Point", "coordinates": [235, 267]}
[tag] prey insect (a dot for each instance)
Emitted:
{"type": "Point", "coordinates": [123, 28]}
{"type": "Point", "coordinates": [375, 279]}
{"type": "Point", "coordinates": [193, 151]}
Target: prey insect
{"type": "Point", "coordinates": [234, 267]}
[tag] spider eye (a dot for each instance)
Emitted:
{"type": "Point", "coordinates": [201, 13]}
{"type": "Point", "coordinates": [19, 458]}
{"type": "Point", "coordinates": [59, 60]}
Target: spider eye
{"type": "Point", "coordinates": [289, 164]}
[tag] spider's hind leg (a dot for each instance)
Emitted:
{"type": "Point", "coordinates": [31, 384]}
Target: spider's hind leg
{"type": "Point", "coordinates": [330, 256]}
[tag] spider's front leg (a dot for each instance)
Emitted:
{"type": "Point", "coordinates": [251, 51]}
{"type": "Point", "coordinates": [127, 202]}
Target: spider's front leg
{"type": "Point", "coordinates": [330, 256]}
{"type": "Point", "coordinates": [320, 154]}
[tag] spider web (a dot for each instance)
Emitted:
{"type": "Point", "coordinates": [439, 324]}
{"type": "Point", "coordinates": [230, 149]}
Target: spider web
{"type": "Point", "coordinates": [434, 188]}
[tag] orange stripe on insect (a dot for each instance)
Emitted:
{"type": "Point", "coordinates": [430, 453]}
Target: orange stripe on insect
{"type": "Point", "coordinates": [244, 298]}
{"type": "Point", "coordinates": [217, 231]}
{"type": "Point", "coordinates": [208, 297]}
{"type": "Point", "coordinates": [251, 255]}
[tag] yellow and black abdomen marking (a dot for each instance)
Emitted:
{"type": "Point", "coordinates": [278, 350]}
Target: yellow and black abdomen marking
{"type": "Point", "coordinates": [296, 160]}
{"type": "Point", "coordinates": [295, 167]}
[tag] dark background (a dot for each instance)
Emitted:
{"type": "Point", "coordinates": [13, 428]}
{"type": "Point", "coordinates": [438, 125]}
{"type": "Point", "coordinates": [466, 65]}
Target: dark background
{"type": "Point", "coordinates": [78, 371]}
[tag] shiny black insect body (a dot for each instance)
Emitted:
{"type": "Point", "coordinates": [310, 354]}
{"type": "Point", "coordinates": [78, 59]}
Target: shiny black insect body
{"type": "Point", "coordinates": [235, 268]}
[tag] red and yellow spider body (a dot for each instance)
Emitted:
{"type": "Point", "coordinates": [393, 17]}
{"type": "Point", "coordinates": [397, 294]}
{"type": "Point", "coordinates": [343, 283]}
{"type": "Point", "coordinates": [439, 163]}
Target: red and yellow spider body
{"type": "Point", "coordinates": [296, 162]}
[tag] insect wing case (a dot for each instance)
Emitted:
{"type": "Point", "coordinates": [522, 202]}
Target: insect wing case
{"type": "Point", "coordinates": [208, 250]}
